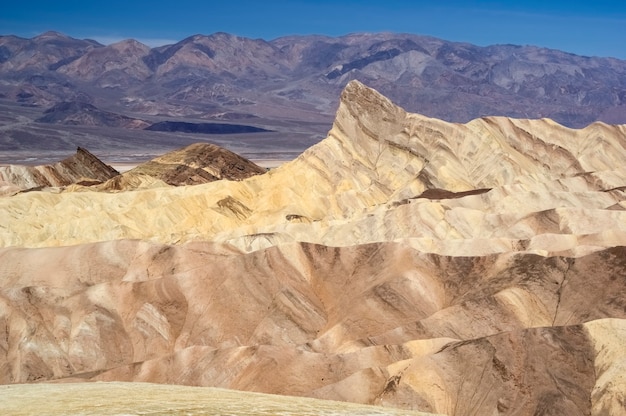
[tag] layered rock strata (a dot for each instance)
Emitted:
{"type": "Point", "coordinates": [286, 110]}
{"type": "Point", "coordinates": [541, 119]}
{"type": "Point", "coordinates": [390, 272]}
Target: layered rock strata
{"type": "Point", "coordinates": [82, 167]}
{"type": "Point", "coordinates": [192, 165]}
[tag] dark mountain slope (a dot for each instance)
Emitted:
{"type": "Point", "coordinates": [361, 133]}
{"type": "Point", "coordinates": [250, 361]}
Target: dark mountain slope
{"type": "Point", "coordinates": [75, 113]}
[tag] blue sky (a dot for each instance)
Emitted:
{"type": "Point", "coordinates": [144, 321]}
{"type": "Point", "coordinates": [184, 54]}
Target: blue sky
{"type": "Point", "coordinates": [592, 28]}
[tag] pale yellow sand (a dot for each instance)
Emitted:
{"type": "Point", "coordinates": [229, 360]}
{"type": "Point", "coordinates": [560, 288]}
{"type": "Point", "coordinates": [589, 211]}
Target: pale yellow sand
{"type": "Point", "coordinates": [159, 399]}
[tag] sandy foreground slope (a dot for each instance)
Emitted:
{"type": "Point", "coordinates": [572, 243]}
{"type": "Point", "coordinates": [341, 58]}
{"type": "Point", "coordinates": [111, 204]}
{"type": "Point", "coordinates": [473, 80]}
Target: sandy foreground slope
{"type": "Point", "coordinates": [403, 261]}
{"type": "Point", "coordinates": [143, 398]}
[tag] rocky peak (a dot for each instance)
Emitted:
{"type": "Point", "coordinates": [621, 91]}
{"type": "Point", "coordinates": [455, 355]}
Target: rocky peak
{"type": "Point", "coordinates": [82, 167]}
{"type": "Point", "coordinates": [50, 35]}
{"type": "Point", "coordinates": [192, 165]}
{"type": "Point", "coordinates": [131, 46]}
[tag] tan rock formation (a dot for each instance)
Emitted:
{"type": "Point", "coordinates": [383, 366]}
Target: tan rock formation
{"type": "Point", "coordinates": [192, 165]}
{"type": "Point", "coordinates": [82, 167]}
{"type": "Point", "coordinates": [403, 262]}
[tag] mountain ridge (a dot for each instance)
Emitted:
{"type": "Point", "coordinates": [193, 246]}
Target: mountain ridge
{"type": "Point", "coordinates": [452, 81]}
{"type": "Point", "coordinates": [82, 167]}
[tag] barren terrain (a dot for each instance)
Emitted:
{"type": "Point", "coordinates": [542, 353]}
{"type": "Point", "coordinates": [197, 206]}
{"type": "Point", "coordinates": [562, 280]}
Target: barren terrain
{"type": "Point", "coordinates": [143, 398]}
{"type": "Point", "coordinates": [403, 261]}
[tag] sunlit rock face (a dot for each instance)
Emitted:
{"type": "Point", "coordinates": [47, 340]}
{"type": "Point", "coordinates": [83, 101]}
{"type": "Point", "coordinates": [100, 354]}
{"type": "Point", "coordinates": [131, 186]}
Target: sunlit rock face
{"type": "Point", "coordinates": [195, 164]}
{"type": "Point", "coordinates": [403, 262]}
{"type": "Point", "coordinates": [82, 167]}
{"type": "Point", "coordinates": [377, 159]}
{"type": "Point", "coordinates": [192, 165]}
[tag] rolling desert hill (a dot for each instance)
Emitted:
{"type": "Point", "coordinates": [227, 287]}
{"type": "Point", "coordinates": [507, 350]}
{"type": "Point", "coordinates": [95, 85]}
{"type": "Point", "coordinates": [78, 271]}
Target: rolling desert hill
{"type": "Point", "coordinates": [403, 261]}
{"type": "Point", "coordinates": [376, 157]}
{"type": "Point", "coordinates": [117, 398]}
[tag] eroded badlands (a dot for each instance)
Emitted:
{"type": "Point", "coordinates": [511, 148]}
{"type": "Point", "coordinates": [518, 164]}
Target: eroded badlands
{"type": "Point", "coordinates": [403, 261]}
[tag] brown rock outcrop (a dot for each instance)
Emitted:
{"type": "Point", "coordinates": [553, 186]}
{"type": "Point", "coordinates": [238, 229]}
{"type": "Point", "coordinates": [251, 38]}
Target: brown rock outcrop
{"type": "Point", "coordinates": [192, 165]}
{"type": "Point", "coordinates": [81, 167]}
{"type": "Point", "coordinates": [379, 324]}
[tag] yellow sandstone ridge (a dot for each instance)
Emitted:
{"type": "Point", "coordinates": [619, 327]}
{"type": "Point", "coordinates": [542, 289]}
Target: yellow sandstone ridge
{"type": "Point", "coordinates": [375, 156]}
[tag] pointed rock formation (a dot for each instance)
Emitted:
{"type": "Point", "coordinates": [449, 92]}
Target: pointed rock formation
{"type": "Point", "coordinates": [83, 167]}
{"type": "Point", "coordinates": [192, 165]}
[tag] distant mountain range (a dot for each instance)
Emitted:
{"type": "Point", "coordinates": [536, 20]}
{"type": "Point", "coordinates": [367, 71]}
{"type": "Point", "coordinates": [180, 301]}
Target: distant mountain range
{"type": "Point", "coordinates": [299, 78]}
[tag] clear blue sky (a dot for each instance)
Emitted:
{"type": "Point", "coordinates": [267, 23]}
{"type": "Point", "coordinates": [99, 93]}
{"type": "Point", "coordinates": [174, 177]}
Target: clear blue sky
{"type": "Point", "coordinates": [593, 28]}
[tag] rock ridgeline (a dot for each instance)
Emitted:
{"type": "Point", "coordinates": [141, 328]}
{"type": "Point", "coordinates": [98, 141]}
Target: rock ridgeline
{"type": "Point", "coordinates": [82, 168]}
{"type": "Point", "coordinates": [380, 324]}
{"type": "Point", "coordinates": [377, 158]}
{"type": "Point", "coordinates": [194, 164]}
{"type": "Point", "coordinates": [403, 261]}
{"type": "Point", "coordinates": [299, 77]}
